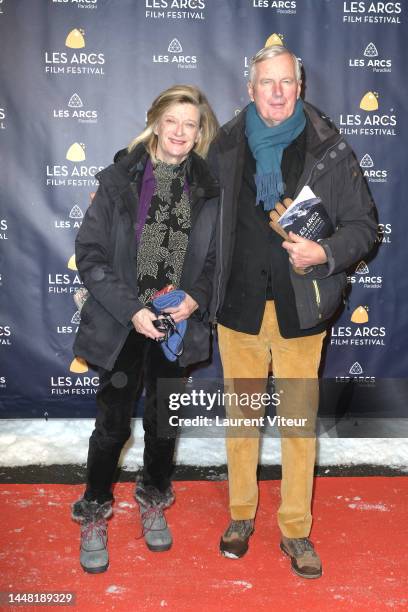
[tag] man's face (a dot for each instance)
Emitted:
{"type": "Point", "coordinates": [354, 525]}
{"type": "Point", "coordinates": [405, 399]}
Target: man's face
{"type": "Point", "coordinates": [275, 89]}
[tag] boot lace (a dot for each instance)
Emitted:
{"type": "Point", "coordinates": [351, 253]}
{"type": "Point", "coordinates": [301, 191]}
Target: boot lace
{"type": "Point", "coordinates": [94, 529]}
{"type": "Point", "coordinates": [149, 517]}
{"type": "Point", "coordinates": [301, 546]}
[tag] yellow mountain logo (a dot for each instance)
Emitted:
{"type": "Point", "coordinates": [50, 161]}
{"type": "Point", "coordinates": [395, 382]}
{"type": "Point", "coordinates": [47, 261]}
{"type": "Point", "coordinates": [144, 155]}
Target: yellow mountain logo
{"type": "Point", "coordinates": [369, 102]}
{"type": "Point", "coordinates": [360, 315]}
{"type": "Point", "coordinates": [274, 39]}
{"type": "Point", "coordinates": [78, 366]}
{"type": "Point", "coordinates": [71, 265]}
{"type": "Point", "coordinates": [76, 152]}
{"type": "Point", "coordinates": [75, 39]}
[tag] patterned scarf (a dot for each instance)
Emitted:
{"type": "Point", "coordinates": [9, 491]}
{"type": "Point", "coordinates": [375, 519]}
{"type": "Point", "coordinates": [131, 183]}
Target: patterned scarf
{"type": "Point", "coordinates": [163, 243]}
{"type": "Point", "coordinates": [267, 145]}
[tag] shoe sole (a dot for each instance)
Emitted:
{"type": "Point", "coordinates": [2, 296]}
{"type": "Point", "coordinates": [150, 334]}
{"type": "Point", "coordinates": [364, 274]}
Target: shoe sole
{"type": "Point", "coordinates": [297, 572]}
{"type": "Point", "coordinates": [95, 570]}
{"type": "Point", "coordinates": [159, 547]}
{"type": "Point", "coordinates": [229, 555]}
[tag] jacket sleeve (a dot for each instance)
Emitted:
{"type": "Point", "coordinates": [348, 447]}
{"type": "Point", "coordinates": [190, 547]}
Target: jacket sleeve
{"type": "Point", "coordinates": [356, 223]}
{"type": "Point", "coordinates": [201, 292]}
{"type": "Point", "coordinates": [93, 254]}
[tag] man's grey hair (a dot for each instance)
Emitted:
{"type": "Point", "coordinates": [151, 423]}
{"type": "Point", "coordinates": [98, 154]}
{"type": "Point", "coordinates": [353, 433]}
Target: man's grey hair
{"type": "Point", "coordinates": [268, 53]}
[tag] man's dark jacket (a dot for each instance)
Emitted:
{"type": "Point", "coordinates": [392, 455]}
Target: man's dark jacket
{"type": "Point", "coordinates": [332, 172]}
{"type": "Point", "coordinates": [106, 257]}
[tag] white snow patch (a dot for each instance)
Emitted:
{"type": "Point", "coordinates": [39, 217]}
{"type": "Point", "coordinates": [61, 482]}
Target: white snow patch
{"type": "Point", "coordinates": [163, 603]}
{"type": "Point", "coordinates": [65, 441]}
{"type": "Point", "coordinates": [124, 504]}
{"type": "Point", "coordinates": [228, 583]}
{"type": "Point", "coordinates": [23, 503]}
{"type": "Point", "coordinates": [243, 583]}
{"type": "Point", "coordinates": [113, 588]}
{"type": "Point", "coordinates": [365, 506]}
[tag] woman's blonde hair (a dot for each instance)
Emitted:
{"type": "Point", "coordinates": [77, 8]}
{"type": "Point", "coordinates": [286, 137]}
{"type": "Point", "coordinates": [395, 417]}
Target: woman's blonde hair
{"type": "Point", "coordinates": [179, 94]}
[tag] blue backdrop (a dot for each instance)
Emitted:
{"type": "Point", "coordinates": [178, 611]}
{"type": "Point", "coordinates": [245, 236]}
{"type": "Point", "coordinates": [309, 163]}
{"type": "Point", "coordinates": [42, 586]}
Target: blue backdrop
{"type": "Point", "coordinates": [77, 77]}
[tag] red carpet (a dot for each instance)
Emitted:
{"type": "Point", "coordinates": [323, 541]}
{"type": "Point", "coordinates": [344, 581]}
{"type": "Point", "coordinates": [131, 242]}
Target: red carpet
{"type": "Point", "coordinates": [360, 530]}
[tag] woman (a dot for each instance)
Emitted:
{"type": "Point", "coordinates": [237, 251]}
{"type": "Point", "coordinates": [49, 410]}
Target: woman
{"type": "Point", "coordinates": [151, 224]}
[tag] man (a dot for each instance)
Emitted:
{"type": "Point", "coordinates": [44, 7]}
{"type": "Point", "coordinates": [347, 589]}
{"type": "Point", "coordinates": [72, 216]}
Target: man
{"type": "Point", "coordinates": [267, 313]}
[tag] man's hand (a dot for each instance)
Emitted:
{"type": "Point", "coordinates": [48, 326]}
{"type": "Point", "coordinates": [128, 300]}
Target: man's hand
{"type": "Point", "coordinates": [142, 322]}
{"type": "Point", "coordinates": [183, 310]}
{"type": "Point", "coordinates": [304, 253]}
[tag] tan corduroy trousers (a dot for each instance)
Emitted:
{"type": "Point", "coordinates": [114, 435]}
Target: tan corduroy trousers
{"type": "Point", "coordinates": [246, 361]}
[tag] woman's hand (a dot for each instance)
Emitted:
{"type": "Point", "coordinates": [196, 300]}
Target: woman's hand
{"type": "Point", "coordinates": [142, 322]}
{"type": "Point", "coordinates": [184, 310]}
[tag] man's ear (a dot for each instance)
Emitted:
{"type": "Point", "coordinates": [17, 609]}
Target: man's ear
{"type": "Point", "coordinates": [250, 91]}
{"type": "Point", "coordinates": [299, 89]}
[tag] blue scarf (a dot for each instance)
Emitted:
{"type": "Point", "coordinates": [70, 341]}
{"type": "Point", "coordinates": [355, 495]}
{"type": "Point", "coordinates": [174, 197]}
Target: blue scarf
{"type": "Point", "coordinates": [267, 145]}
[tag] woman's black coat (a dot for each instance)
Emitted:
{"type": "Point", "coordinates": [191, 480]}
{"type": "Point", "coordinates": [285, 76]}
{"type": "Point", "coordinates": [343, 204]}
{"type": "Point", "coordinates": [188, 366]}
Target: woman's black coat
{"type": "Point", "coordinates": [106, 258]}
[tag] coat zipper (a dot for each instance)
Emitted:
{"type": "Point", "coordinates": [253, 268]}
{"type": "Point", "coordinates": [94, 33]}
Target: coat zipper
{"type": "Point", "coordinates": [317, 296]}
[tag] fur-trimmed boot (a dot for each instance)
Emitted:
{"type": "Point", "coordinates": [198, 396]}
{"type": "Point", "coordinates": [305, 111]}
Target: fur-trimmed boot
{"type": "Point", "coordinates": [92, 517]}
{"type": "Point", "coordinates": [152, 502]}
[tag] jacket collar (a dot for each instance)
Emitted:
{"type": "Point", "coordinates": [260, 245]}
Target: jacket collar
{"type": "Point", "coordinates": [201, 182]}
{"type": "Point", "coordinates": [322, 137]}
{"type": "Point", "coordinates": [131, 166]}
{"type": "Point", "coordinates": [123, 177]}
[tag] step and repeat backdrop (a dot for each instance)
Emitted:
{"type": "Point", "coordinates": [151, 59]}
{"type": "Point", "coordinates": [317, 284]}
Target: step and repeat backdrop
{"type": "Point", "coordinates": [77, 77]}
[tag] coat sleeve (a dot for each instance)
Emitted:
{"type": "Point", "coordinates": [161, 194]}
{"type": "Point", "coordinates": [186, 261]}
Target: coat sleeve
{"type": "Point", "coordinates": [94, 261]}
{"type": "Point", "coordinates": [201, 292]}
{"type": "Point", "coordinates": [356, 223]}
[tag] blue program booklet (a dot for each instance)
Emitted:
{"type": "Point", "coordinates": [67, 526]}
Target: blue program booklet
{"type": "Point", "coordinates": [307, 217]}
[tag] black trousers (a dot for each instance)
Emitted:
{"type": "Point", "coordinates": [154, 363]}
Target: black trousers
{"type": "Point", "coordinates": [141, 361]}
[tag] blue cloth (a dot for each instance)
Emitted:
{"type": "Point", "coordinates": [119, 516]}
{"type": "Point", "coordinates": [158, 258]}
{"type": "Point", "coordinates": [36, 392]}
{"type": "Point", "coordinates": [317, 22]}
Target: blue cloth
{"type": "Point", "coordinates": [171, 299]}
{"type": "Point", "coordinates": [267, 145]}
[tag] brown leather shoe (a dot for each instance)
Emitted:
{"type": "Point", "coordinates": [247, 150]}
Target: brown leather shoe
{"type": "Point", "coordinates": [234, 542]}
{"type": "Point", "coordinates": [305, 561]}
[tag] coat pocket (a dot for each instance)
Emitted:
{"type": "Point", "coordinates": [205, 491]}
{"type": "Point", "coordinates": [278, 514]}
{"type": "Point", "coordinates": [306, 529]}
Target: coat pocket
{"type": "Point", "coordinates": [318, 299]}
{"type": "Point", "coordinates": [328, 294]}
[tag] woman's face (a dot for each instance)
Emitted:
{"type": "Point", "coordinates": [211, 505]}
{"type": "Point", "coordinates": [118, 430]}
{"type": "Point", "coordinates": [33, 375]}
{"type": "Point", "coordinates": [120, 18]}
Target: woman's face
{"type": "Point", "coordinates": [177, 131]}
